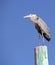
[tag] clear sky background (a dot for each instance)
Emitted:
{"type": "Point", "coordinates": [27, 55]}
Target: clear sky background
{"type": "Point", "coordinates": [18, 36]}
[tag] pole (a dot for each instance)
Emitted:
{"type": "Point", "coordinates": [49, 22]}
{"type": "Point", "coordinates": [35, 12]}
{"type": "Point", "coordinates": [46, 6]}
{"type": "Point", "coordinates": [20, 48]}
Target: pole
{"type": "Point", "coordinates": [41, 55]}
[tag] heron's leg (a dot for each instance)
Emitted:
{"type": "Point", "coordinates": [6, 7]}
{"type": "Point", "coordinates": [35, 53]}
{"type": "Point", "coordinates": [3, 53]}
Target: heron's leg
{"type": "Point", "coordinates": [38, 39]}
{"type": "Point", "coordinates": [43, 37]}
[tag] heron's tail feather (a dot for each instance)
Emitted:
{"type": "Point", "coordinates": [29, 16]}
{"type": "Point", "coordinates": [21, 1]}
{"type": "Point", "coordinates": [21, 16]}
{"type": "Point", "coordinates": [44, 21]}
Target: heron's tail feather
{"type": "Point", "coordinates": [47, 37]}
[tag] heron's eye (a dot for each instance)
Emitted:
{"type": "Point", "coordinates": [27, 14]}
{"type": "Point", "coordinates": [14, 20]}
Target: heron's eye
{"type": "Point", "coordinates": [37, 18]}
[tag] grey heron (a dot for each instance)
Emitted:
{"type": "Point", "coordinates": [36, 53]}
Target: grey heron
{"type": "Point", "coordinates": [40, 25]}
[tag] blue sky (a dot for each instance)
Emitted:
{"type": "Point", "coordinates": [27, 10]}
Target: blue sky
{"type": "Point", "coordinates": [18, 36]}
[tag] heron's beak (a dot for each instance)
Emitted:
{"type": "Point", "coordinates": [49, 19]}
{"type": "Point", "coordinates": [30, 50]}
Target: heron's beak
{"type": "Point", "coordinates": [28, 16]}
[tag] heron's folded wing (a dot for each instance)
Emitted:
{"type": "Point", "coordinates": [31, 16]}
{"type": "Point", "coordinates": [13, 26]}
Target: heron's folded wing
{"type": "Point", "coordinates": [43, 26]}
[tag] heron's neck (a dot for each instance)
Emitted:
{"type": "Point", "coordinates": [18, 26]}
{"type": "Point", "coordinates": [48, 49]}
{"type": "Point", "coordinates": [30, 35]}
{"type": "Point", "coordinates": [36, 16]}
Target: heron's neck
{"type": "Point", "coordinates": [34, 21]}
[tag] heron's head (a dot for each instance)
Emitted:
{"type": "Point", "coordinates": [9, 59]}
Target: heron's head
{"type": "Point", "coordinates": [32, 17]}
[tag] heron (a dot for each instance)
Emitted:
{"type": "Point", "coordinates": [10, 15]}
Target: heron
{"type": "Point", "coordinates": [40, 26]}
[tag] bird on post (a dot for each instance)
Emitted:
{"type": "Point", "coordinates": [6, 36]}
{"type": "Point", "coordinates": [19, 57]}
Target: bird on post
{"type": "Point", "coordinates": [40, 25]}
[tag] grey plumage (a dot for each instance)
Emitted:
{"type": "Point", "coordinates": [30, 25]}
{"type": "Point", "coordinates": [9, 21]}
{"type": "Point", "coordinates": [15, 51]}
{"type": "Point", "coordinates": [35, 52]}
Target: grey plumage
{"type": "Point", "coordinates": [40, 25]}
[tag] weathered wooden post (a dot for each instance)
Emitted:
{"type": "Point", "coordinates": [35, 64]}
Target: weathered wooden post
{"type": "Point", "coordinates": [41, 55]}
